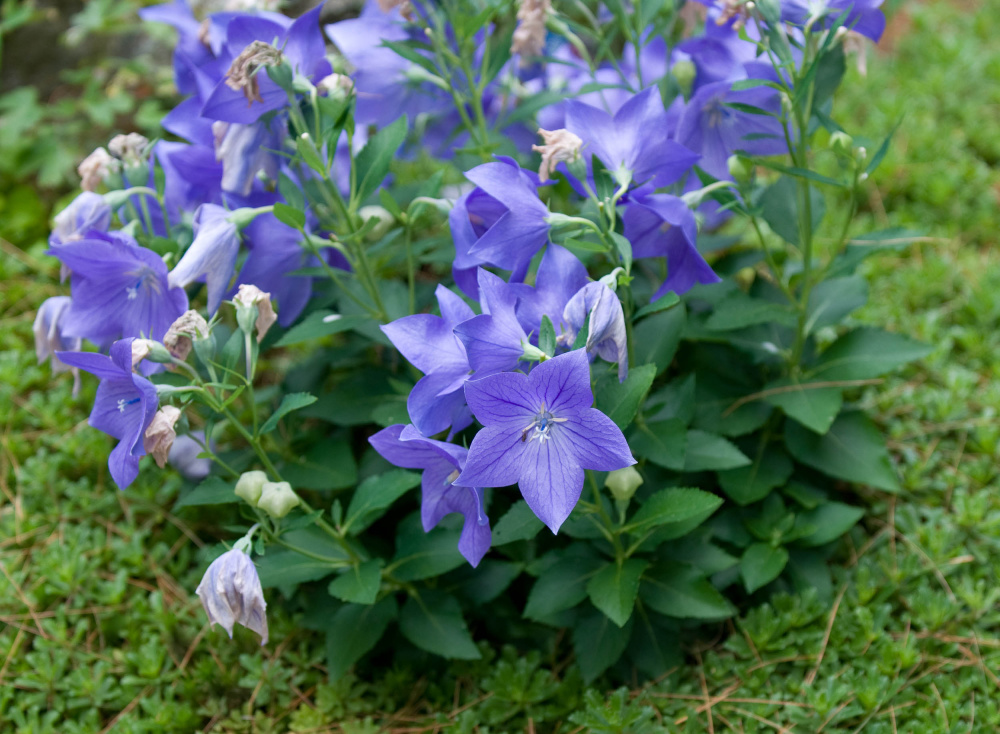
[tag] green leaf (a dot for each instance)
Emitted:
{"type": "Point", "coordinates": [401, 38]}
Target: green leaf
{"type": "Point", "coordinates": [882, 150]}
{"type": "Point", "coordinates": [831, 520]}
{"type": "Point", "coordinates": [374, 497]}
{"type": "Point", "coordinates": [547, 337]}
{"type": "Point", "coordinates": [421, 555]}
{"type": "Point", "coordinates": [662, 442]}
{"type": "Point", "coordinates": [353, 631]}
{"type": "Point", "coordinates": [434, 623]}
{"type": "Point", "coordinates": [372, 163]}
{"type": "Point", "coordinates": [624, 249]}
{"type": "Point", "coordinates": [519, 523]}
{"type": "Point", "coordinates": [282, 567]}
{"type": "Point", "coordinates": [853, 449]}
{"type": "Point", "coordinates": [833, 299]}
{"type": "Point", "coordinates": [359, 584]}
{"type": "Point", "coordinates": [290, 402]}
{"type": "Point", "coordinates": [620, 401]}
{"type": "Point", "coordinates": [684, 592]}
{"type": "Point", "coordinates": [739, 310]}
{"type": "Point", "coordinates": [780, 209]}
{"type": "Point", "coordinates": [561, 586]}
{"type": "Point", "coordinates": [212, 491]}
{"type": "Point", "coordinates": [655, 338]}
{"type": "Point", "coordinates": [707, 451]}
{"type": "Point", "coordinates": [675, 400]}
{"type": "Point", "coordinates": [326, 466]}
{"type": "Point", "coordinates": [761, 565]}
{"type": "Point", "coordinates": [294, 218]}
{"type": "Point", "coordinates": [666, 301]}
{"type": "Point", "coordinates": [598, 643]}
{"type": "Point", "coordinates": [317, 325]}
{"type": "Point", "coordinates": [614, 588]}
{"type": "Point", "coordinates": [866, 353]}
{"type": "Point", "coordinates": [675, 504]}
{"type": "Point", "coordinates": [812, 405]}
{"type": "Point", "coordinates": [748, 484]}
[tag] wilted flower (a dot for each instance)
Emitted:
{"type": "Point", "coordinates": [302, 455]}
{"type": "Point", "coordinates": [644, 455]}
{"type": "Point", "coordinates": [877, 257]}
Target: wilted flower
{"type": "Point", "coordinates": [212, 255]}
{"type": "Point", "coordinates": [242, 74]}
{"type": "Point", "coordinates": [190, 326]}
{"type": "Point", "coordinates": [560, 145]}
{"type": "Point", "coordinates": [529, 36]}
{"type": "Point", "coordinates": [95, 168]}
{"type": "Point", "coordinates": [48, 332]}
{"type": "Point", "coordinates": [231, 593]}
{"type": "Point", "coordinates": [277, 498]}
{"type": "Point", "coordinates": [130, 149]}
{"type": "Point", "coordinates": [252, 297]}
{"type": "Point", "coordinates": [159, 436]}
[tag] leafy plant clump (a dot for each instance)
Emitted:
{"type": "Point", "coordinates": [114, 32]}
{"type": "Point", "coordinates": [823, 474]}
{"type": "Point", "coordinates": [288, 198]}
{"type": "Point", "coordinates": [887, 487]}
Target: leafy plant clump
{"type": "Point", "coordinates": [677, 404]}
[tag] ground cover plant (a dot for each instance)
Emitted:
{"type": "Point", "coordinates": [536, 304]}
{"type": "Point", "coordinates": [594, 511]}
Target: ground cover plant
{"type": "Point", "coordinates": [550, 702]}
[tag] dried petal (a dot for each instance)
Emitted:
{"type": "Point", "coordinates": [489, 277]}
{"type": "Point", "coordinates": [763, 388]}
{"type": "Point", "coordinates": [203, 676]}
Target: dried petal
{"type": "Point", "coordinates": [160, 435]}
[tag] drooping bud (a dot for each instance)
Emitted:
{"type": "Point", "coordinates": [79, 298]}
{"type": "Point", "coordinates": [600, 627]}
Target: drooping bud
{"type": "Point", "coordinates": [131, 149]}
{"type": "Point", "coordinates": [529, 36]}
{"type": "Point", "coordinates": [560, 145]}
{"type": "Point", "coordinates": [855, 43]}
{"type": "Point", "coordinates": [96, 168]}
{"type": "Point", "coordinates": [242, 74]}
{"type": "Point", "coordinates": [249, 486]}
{"type": "Point", "coordinates": [159, 436]}
{"type": "Point", "coordinates": [841, 142]}
{"type": "Point", "coordinates": [191, 326]}
{"type": "Point", "coordinates": [336, 85]}
{"type": "Point", "coordinates": [623, 483]}
{"type": "Point", "coordinates": [48, 332]}
{"type": "Point", "coordinates": [254, 304]}
{"type": "Point", "coordinates": [231, 593]}
{"type": "Point", "coordinates": [606, 333]}
{"type": "Point", "coordinates": [277, 499]}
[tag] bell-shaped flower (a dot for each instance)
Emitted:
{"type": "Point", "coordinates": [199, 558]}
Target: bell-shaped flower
{"type": "Point", "coordinates": [123, 408]}
{"type": "Point", "coordinates": [661, 225]}
{"type": "Point", "coordinates": [636, 139]}
{"type": "Point", "coordinates": [540, 432]}
{"type": "Point", "coordinates": [244, 150]}
{"type": "Point", "coordinates": [441, 463]}
{"type": "Point", "coordinates": [86, 212]}
{"type": "Point", "coordinates": [494, 340]}
{"type": "Point", "coordinates": [119, 290]}
{"type": "Point", "coordinates": [231, 593]}
{"type": "Point", "coordinates": [560, 275]}
{"type": "Point", "coordinates": [429, 343]}
{"type": "Point", "coordinates": [606, 335]}
{"type": "Point", "coordinates": [184, 457]}
{"type": "Point", "coordinates": [49, 337]}
{"type": "Point", "coordinates": [211, 256]}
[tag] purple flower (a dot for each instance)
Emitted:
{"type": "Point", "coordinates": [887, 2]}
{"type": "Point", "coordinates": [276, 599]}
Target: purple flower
{"type": "Point", "coordinates": [560, 275]}
{"type": "Point", "coordinates": [231, 593]}
{"type": "Point", "coordinates": [864, 16]}
{"type": "Point", "coordinates": [119, 290]}
{"type": "Point", "coordinates": [123, 408]}
{"type": "Point", "coordinates": [49, 338]}
{"type": "Point", "coordinates": [86, 212]}
{"type": "Point", "coordinates": [211, 256]}
{"type": "Point", "coordinates": [661, 225]}
{"type": "Point", "coordinates": [606, 336]}
{"type": "Point", "coordinates": [636, 139]}
{"type": "Point", "coordinates": [494, 340]}
{"type": "Point", "coordinates": [442, 463]}
{"type": "Point", "coordinates": [541, 432]}
{"type": "Point", "coordinates": [429, 343]}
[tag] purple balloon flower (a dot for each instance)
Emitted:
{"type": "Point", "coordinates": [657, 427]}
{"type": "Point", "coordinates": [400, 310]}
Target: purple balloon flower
{"type": "Point", "coordinates": [211, 256]}
{"type": "Point", "coordinates": [442, 463]}
{"type": "Point", "coordinates": [560, 275]}
{"type": "Point", "coordinates": [494, 340]}
{"type": "Point", "coordinates": [86, 212]}
{"type": "Point", "coordinates": [864, 16]}
{"type": "Point", "coordinates": [429, 343]}
{"type": "Point", "coordinates": [123, 408]}
{"type": "Point", "coordinates": [606, 335]}
{"type": "Point", "coordinates": [541, 433]}
{"type": "Point", "coordinates": [119, 290]}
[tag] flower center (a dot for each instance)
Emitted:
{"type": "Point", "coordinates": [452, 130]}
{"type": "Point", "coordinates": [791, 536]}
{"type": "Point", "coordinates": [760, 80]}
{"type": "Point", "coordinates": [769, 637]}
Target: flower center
{"type": "Point", "coordinates": [541, 426]}
{"type": "Point", "coordinates": [123, 403]}
{"type": "Point", "coordinates": [145, 277]}
{"type": "Point", "coordinates": [716, 112]}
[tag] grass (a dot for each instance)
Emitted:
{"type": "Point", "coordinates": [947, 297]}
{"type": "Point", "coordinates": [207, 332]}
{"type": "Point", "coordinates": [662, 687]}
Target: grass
{"type": "Point", "coordinates": [100, 629]}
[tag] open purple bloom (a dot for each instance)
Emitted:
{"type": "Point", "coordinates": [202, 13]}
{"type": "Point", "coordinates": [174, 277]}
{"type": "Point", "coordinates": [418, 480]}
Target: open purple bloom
{"type": "Point", "coordinates": [864, 16]}
{"type": "Point", "coordinates": [606, 336]}
{"type": "Point", "coordinates": [636, 138]}
{"type": "Point", "coordinates": [494, 340]}
{"type": "Point", "coordinates": [521, 229]}
{"type": "Point", "coordinates": [211, 256]}
{"type": "Point", "coordinates": [442, 463]}
{"type": "Point", "coordinates": [119, 290]}
{"type": "Point", "coordinates": [430, 344]}
{"type": "Point", "coordinates": [541, 433]}
{"type": "Point", "coordinates": [661, 225]}
{"type": "Point", "coordinates": [123, 408]}
{"type": "Point", "coordinates": [560, 275]}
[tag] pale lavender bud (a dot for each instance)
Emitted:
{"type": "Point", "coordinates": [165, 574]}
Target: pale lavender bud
{"type": "Point", "coordinates": [160, 435]}
{"type": "Point", "coordinates": [560, 145]}
{"type": "Point", "coordinates": [96, 168]}
{"type": "Point", "coordinates": [131, 148]}
{"type": "Point", "coordinates": [191, 325]}
{"type": "Point", "coordinates": [242, 74]}
{"type": "Point", "coordinates": [231, 593]}
{"type": "Point", "coordinates": [250, 296]}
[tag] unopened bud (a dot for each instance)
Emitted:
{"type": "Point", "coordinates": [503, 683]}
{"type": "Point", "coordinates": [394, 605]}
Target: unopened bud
{"type": "Point", "coordinates": [95, 169]}
{"type": "Point", "coordinates": [684, 72]}
{"type": "Point", "coordinates": [740, 168]}
{"type": "Point", "coordinates": [159, 436]}
{"type": "Point", "coordinates": [131, 149]}
{"type": "Point", "coordinates": [841, 142]}
{"type": "Point", "coordinates": [623, 483]}
{"type": "Point", "coordinates": [384, 223]}
{"type": "Point", "coordinates": [190, 327]}
{"type": "Point", "coordinates": [336, 85]}
{"type": "Point", "coordinates": [254, 310]}
{"type": "Point", "coordinates": [250, 485]}
{"type": "Point", "coordinates": [277, 499]}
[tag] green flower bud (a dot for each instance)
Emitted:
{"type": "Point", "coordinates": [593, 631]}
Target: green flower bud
{"type": "Point", "coordinates": [383, 224]}
{"type": "Point", "coordinates": [740, 168]}
{"type": "Point", "coordinates": [623, 483]}
{"type": "Point", "coordinates": [684, 72]}
{"type": "Point", "coordinates": [841, 142]}
{"type": "Point", "coordinates": [250, 485]}
{"type": "Point", "coordinates": [277, 499]}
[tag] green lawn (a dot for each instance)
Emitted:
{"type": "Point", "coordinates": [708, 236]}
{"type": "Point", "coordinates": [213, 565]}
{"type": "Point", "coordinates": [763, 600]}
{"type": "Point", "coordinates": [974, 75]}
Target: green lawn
{"type": "Point", "coordinates": [100, 629]}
